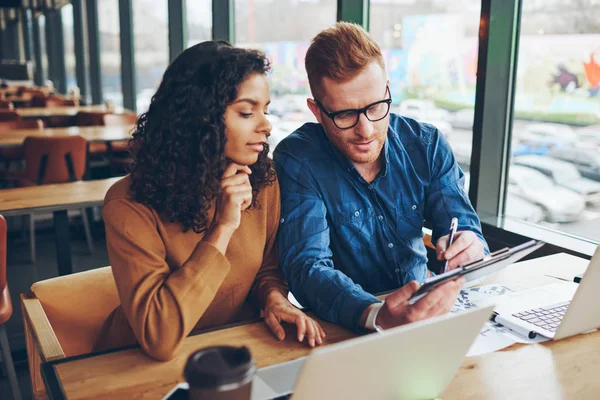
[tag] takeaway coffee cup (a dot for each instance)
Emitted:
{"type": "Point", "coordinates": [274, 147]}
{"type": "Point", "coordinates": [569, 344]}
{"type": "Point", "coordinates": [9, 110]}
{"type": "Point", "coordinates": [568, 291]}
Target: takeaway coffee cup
{"type": "Point", "coordinates": [220, 373]}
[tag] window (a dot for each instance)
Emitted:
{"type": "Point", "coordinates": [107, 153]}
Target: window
{"type": "Point", "coordinates": [283, 29]}
{"type": "Point", "coordinates": [69, 40]}
{"type": "Point", "coordinates": [557, 116]}
{"type": "Point", "coordinates": [430, 49]}
{"type": "Point", "coordinates": [110, 51]}
{"type": "Point", "coordinates": [199, 20]}
{"type": "Point", "coordinates": [43, 47]}
{"type": "Point", "coordinates": [150, 26]}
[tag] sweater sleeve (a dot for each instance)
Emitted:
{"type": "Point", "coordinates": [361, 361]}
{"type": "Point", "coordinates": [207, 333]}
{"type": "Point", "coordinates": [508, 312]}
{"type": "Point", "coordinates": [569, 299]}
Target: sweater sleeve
{"type": "Point", "coordinates": [269, 276]}
{"type": "Point", "coordinates": [161, 305]}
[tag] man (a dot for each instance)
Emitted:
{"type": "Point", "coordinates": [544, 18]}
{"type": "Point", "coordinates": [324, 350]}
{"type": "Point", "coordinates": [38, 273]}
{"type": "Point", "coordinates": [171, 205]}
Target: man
{"type": "Point", "coordinates": [355, 189]}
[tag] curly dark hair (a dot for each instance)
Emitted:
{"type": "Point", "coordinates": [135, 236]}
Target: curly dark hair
{"type": "Point", "coordinates": [179, 143]}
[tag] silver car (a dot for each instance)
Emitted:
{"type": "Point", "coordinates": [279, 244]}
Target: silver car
{"type": "Point", "coordinates": [559, 204]}
{"type": "Point", "coordinates": [563, 174]}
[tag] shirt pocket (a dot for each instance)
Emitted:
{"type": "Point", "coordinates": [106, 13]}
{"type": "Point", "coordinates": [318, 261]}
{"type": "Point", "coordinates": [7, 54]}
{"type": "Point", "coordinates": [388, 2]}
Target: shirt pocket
{"type": "Point", "coordinates": [409, 219]}
{"type": "Point", "coordinates": [354, 227]}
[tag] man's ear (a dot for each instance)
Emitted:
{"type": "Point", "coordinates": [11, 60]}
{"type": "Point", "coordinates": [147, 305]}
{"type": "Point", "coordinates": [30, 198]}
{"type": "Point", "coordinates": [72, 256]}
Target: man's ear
{"type": "Point", "coordinates": [314, 108]}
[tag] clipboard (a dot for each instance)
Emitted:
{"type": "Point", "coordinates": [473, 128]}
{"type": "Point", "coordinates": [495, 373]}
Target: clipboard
{"type": "Point", "coordinates": [489, 264]}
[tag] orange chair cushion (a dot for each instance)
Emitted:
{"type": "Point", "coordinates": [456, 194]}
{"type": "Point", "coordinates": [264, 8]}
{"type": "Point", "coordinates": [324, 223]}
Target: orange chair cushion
{"type": "Point", "coordinates": [5, 306]}
{"type": "Point", "coordinates": [77, 305]}
{"type": "Point", "coordinates": [35, 147]}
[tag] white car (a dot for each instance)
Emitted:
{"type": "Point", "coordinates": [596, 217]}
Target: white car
{"type": "Point", "coordinates": [516, 207]}
{"type": "Point", "coordinates": [559, 204]}
{"type": "Point", "coordinates": [547, 134]}
{"type": "Point", "coordinates": [463, 119]}
{"type": "Point", "coordinates": [589, 137]}
{"type": "Point", "coordinates": [426, 111]}
{"type": "Point", "coordinates": [563, 174]}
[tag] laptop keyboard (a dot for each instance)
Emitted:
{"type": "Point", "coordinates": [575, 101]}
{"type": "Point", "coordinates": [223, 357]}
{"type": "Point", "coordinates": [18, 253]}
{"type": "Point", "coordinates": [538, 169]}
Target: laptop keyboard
{"type": "Point", "coordinates": [547, 318]}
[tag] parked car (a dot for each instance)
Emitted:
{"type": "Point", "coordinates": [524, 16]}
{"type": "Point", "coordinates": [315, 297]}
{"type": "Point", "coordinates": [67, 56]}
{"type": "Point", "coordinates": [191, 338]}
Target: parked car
{"type": "Point", "coordinates": [559, 204]}
{"type": "Point", "coordinates": [563, 174]}
{"type": "Point", "coordinates": [523, 210]}
{"type": "Point", "coordinates": [589, 137]}
{"type": "Point", "coordinates": [426, 111]}
{"type": "Point", "coordinates": [462, 153]}
{"type": "Point", "coordinates": [586, 161]}
{"type": "Point", "coordinates": [516, 207]}
{"type": "Point", "coordinates": [463, 119]}
{"type": "Point", "coordinates": [548, 134]}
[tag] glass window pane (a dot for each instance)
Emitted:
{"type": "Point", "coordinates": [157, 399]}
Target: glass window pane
{"type": "Point", "coordinates": [110, 51]}
{"type": "Point", "coordinates": [150, 22]}
{"type": "Point", "coordinates": [69, 39]}
{"type": "Point", "coordinates": [199, 20]}
{"type": "Point", "coordinates": [430, 49]}
{"type": "Point", "coordinates": [556, 126]}
{"type": "Point", "coordinates": [43, 47]}
{"type": "Point", "coordinates": [283, 29]}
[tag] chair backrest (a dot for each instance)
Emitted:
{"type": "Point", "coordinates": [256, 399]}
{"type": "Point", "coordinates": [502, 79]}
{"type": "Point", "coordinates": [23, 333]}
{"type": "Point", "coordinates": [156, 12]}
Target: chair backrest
{"type": "Point", "coordinates": [21, 124]}
{"type": "Point", "coordinates": [46, 158]}
{"type": "Point", "coordinates": [6, 105]}
{"type": "Point", "coordinates": [59, 101]}
{"type": "Point", "coordinates": [89, 118]}
{"type": "Point", "coordinates": [38, 100]}
{"type": "Point", "coordinates": [119, 119]}
{"type": "Point", "coordinates": [77, 305]}
{"type": "Point", "coordinates": [2, 253]}
{"type": "Point", "coordinates": [9, 115]}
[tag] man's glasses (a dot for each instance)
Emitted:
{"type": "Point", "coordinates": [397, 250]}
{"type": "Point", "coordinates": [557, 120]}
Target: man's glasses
{"type": "Point", "coordinates": [346, 119]}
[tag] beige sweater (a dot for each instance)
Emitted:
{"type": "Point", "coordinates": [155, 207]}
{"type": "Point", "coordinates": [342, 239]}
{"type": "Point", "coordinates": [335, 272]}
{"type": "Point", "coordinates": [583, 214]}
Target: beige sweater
{"type": "Point", "coordinates": [162, 302]}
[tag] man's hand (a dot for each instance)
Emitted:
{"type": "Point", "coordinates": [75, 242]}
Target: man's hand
{"type": "Point", "coordinates": [278, 308]}
{"type": "Point", "coordinates": [465, 248]}
{"type": "Point", "coordinates": [397, 311]}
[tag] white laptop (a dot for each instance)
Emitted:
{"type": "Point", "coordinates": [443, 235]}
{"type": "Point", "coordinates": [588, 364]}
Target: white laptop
{"type": "Point", "coordinates": [558, 310]}
{"type": "Point", "coordinates": [415, 361]}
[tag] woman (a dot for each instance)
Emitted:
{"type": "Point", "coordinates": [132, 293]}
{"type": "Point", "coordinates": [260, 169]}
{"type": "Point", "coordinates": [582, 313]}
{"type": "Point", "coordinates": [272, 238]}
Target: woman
{"type": "Point", "coordinates": [191, 231]}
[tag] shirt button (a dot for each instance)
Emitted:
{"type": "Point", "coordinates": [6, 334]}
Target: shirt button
{"type": "Point", "coordinates": [390, 245]}
{"type": "Point", "coordinates": [281, 220]}
{"type": "Point", "coordinates": [414, 207]}
{"type": "Point", "coordinates": [380, 217]}
{"type": "Point", "coordinates": [356, 213]}
{"type": "Point", "coordinates": [397, 270]}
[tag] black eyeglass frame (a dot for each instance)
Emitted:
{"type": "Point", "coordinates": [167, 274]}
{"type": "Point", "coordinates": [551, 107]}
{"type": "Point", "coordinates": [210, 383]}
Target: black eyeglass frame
{"type": "Point", "coordinates": [358, 111]}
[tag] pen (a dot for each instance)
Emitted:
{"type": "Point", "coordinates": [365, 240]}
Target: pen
{"type": "Point", "coordinates": [513, 327]}
{"type": "Point", "coordinates": [453, 227]}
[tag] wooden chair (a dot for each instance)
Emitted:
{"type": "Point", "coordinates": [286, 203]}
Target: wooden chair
{"type": "Point", "coordinates": [6, 105]}
{"type": "Point", "coordinates": [119, 149]}
{"type": "Point", "coordinates": [15, 154]}
{"type": "Point", "coordinates": [5, 314]}
{"type": "Point", "coordinates": [7, 115]}
{"type": "Point", "coordinates": [92, 118]}
{"type": "Point", "coordinates": [63, 317]}
{"type": "Point", "coordinates": [55, 159]}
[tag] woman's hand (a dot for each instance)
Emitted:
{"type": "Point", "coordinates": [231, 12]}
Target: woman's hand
{"type": "Point", "coordinates": [278, 308]}
{"type": "Point", "coordinates": [236, 196]}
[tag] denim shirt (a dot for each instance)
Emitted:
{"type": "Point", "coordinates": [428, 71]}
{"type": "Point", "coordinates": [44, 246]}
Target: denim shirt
{"type": "Point", "coordinates": [341, 239]}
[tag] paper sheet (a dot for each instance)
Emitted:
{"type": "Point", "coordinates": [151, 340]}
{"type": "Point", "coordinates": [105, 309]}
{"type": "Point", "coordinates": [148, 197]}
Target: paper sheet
{"type": "Point", "coordinates": [493, 336]}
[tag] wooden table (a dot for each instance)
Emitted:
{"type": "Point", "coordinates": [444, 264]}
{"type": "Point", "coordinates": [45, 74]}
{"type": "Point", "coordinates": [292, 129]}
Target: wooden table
{"type": "Point", "coordinates": [56, 199]}
{"type": "Point", "coordinates": [15, 138]}
{"type": "Point", "coordinates": [552, 370]}
{"type": "Point", "coordinates": [45, 112]}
